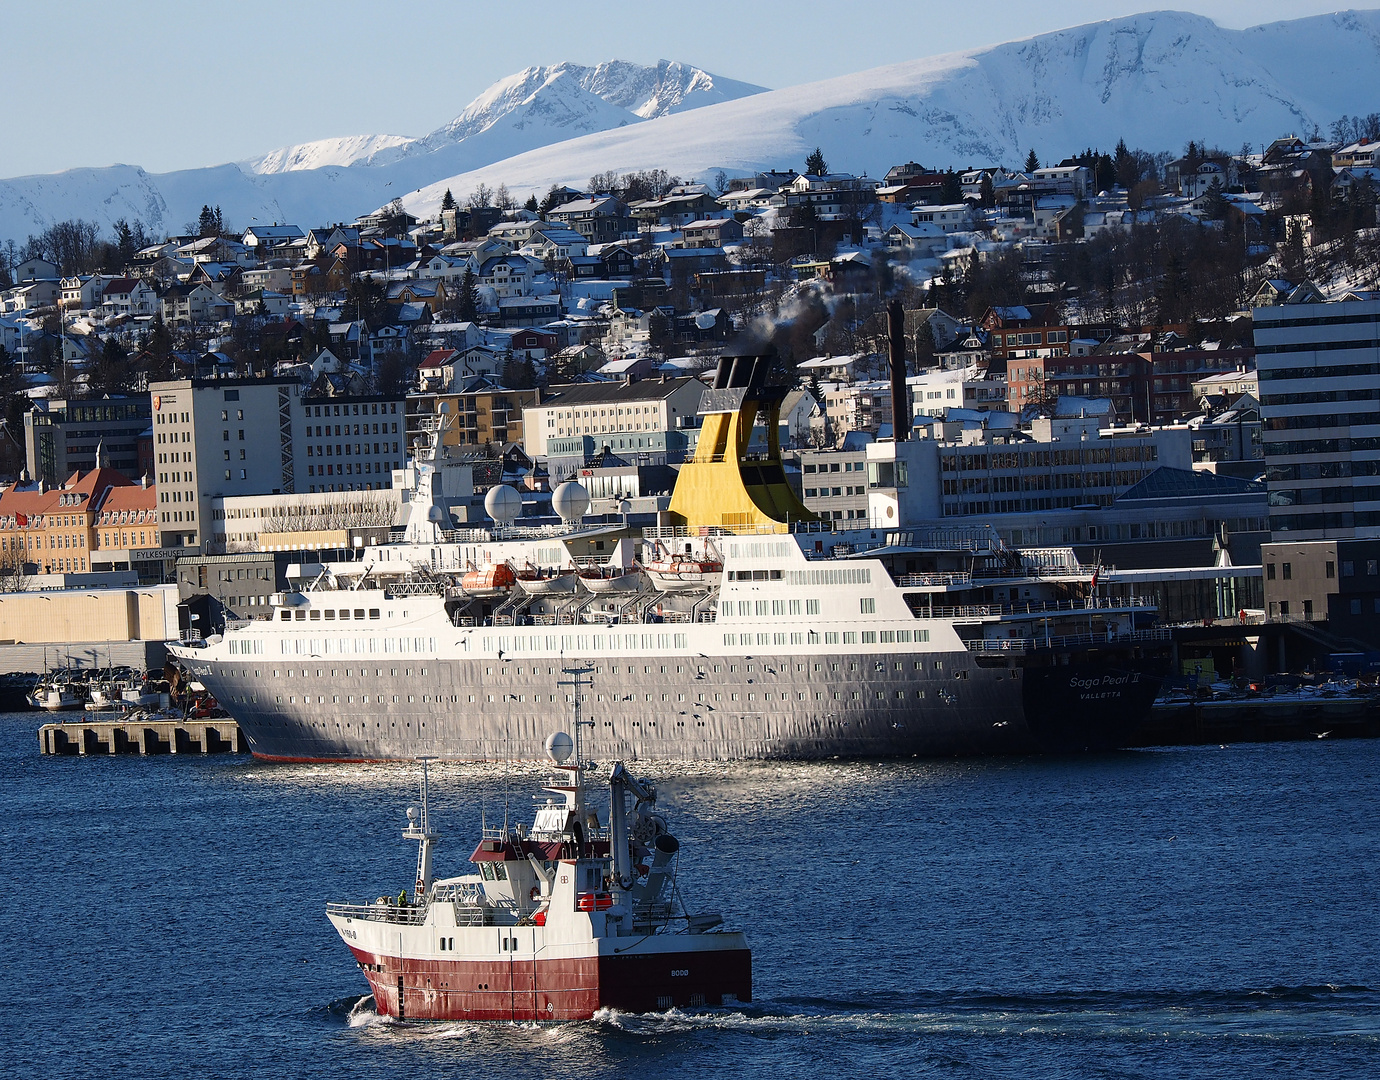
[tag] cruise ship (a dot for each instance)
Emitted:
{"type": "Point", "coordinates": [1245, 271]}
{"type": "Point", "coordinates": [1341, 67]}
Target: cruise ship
{"type": "Point", "coordinates": [741, 629]}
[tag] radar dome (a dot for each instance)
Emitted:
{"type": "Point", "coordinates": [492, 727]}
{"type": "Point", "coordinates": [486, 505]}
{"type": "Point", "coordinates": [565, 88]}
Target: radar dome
{"type": "Point", "coordinates": [559, 747]}
{"type": "Point", "coordinates": [570, 501]}
{"type": "Point", "coordinates": [503, 504]}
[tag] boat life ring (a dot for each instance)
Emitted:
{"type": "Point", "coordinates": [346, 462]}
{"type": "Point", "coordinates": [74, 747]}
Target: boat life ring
{"type": "Point", "coordinates": [534, 893]}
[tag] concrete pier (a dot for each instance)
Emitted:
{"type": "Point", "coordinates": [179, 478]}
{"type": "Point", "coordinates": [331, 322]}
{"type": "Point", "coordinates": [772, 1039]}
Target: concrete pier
{"type": "Point", "coordinates": [80, 738]}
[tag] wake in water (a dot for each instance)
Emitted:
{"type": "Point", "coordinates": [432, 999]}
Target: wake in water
{"type": "Point", "coordinates": [1276, 1012]}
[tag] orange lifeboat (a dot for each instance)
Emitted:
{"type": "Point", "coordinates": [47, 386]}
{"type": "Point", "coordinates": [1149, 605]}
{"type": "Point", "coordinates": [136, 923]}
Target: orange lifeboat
{"type": "Point", "coordinates": [493, 579]}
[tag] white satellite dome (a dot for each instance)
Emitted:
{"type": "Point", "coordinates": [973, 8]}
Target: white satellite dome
{"type": "Point", "coordinates": [559, 747]}
{"type": "Point", "coordinates": [503, 504]}
{"type": "Point", "coordinates": [570, 501]}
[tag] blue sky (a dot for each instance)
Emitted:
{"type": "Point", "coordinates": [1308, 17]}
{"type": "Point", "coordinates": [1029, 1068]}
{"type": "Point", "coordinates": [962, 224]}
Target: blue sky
{"type": "Point", "coordinates": [171, 84]}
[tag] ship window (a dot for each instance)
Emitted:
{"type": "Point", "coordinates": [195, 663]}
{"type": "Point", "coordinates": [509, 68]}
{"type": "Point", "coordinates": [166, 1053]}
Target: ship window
{"type": "Point", "coordinates": [868, 605]}
{"type": "Point", "coordinates": [314, 615]}
{"type": "Point", "coordinates": [500, 871]}
{"type": "Point", "coordinates": [359, 613]}
{"type": "Point", "coordinates": [330, 614]}
{"type": "Point", "coordinates": [285, 616]}
{"type": "Point", "coordinates": [301, 616]}
{"type": "Point", "coordinates": [831, 637]}
{"type": "Point", "coordinates": [850, 637]}
{"type": "Point", "coordinates": [811, 607]}
{"type": "Point", "coordinates": [487, 869]}
{"type": "Point", "coordinates": [373, 613]}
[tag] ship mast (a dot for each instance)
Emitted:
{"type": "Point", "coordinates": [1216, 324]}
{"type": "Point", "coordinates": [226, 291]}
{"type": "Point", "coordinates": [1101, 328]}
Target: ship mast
{"type": "Point", "coordinates": [576, 682]}
{"type": "Point", "coordinates": [419, 829]}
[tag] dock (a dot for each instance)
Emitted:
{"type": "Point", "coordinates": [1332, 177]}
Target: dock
{"type": "Point", "coordinates": [84, 738]}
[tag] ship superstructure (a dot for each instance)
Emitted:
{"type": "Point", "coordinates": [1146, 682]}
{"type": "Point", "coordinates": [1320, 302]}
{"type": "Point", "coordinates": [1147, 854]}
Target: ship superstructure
{"type": "Point", "coordinates": [740, 638]}
{"type": "Point", "coordinates": [559, 919]}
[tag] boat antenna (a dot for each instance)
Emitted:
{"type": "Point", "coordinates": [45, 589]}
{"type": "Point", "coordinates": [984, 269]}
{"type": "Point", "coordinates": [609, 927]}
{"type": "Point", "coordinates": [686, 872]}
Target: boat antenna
{"type": "Point", "coordinates": [577, 670]}
{"type": "Point", "coordinates": [419, 829]}
{"type": "Point", "coordinates": [507, 776]}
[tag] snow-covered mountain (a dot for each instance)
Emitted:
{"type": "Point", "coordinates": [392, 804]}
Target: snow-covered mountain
{"type": "Point", "coordinates": [338, 179]}
{"type": "Point", "coordinates": [1156, 80]}
{"type": "Point", "coordinates": [323, 152]}
{"type": "Point", "coordinates": [533, 108]}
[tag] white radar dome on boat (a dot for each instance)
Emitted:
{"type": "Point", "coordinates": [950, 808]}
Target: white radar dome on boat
{"type": "Point", "coordinates": [559, 747]}
{"type": "Point", "coordinates": [570, 501]}
{"type": "Point", "coordinates": [436, 514]}
{"type": "Point", "coordinates": [503, 504]}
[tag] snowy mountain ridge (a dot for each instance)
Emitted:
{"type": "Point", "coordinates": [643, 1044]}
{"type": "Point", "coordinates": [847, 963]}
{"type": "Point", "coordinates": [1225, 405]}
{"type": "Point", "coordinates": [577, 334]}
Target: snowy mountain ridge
{"type": "Point", "coordinates": [1156, 80]}
{"type": "Point", "coordinates": [551, 103]}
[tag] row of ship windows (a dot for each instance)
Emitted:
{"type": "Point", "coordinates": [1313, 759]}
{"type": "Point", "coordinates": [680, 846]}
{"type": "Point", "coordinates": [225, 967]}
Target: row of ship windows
{"type": "Point", "coordinates": [395, 699]}
{"type": "Point", "coordinates": [830, 637]}
{"type": "Point", "coordinates": [817, 667]}
{"type": "Point", "coordinates": [758, 608]}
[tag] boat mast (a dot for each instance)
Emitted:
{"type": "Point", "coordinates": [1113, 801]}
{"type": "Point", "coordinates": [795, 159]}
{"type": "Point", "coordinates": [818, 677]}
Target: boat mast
{"type": "Point", "coordinates": [577, 671]}
{"type": "Point", "coordinates": [419, 829]}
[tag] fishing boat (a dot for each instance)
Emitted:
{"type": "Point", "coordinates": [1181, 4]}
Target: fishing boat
{"type": "Point", "coordinates": [560, 918]}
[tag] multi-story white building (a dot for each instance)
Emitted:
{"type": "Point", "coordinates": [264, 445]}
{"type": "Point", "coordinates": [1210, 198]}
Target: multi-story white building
{"type": "Point", "coordinates": [215, 438]}
{"type": "Point", "coordinates": [1319, 370]}
{"type": "Point", "coordinates": [628, 416]}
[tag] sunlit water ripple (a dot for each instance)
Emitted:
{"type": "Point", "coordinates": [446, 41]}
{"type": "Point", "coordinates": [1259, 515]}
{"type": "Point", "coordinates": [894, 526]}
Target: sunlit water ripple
{"type": "Point", "coordinates": [1180, 913]}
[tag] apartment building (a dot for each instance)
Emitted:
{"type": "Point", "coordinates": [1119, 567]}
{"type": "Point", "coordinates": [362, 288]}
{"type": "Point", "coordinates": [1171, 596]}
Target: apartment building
{"type": "Point", "coordinates": [1318, 365]}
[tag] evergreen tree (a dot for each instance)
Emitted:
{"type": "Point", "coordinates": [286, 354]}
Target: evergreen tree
{"type": "Point", "coordinates": [206, 223]}
{"type": "Point", "coordinates": [447, 201]}
{"type": "Point", "coordinates": [531, 204]}
{"type": "Point", "coordinates": [815, 165]}
{"type": "Point", "coordinates": [1173, 297]}
{"type": "Point", "coordinates": [1125, 166]}
{"type": "Point", "coordinates": [1031, 162]}
{"type": "Point", "coordinates": [1293, 256]}
{"type": "Point", "coordinates": [1214, 204]}
{"type": "Point", "coordinates": [987, 194]}
{"type": "Point", "coordinates": [469, 297]}
{"type": "Point", "coordinates": [951, 191]}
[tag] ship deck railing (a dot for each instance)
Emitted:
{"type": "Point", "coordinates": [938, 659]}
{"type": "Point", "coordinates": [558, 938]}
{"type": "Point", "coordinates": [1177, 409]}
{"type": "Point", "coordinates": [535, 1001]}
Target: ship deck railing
{"type": "Point", "coordinates": [910, 581]}
{"type": "Point", "coordinates": [1064, 641]}
{"type": "Point", "coordinates": [685, 532]}
{"type": "Point", "coordinates": [388, 912]}
{"type": "Point", "coordinates": [1090, 603]}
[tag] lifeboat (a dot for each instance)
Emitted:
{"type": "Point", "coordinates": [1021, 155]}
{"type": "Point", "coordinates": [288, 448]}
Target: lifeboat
{"type": "Point", "coordinates": [680, 573]}
{"type": "Point", "coordinates": [542, 582]}
{"type": "Point", "coordinates": [492, 579]}
{"type": "Point", "coordinates": [611, 579]}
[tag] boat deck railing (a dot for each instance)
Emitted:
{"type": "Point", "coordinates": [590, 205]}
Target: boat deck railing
{"type": "Point", "coordinates": [1065, 641]}
{"type": "Point", "coordinates": [385, 912]}
{"type": "Point", "coordinates": [1091, 603]}
{"type": "Point", "coordinates": [911, 581]}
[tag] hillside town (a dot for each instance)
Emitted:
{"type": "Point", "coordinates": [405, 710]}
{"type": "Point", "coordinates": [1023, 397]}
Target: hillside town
{"type": "Point", "coordinates": [1084, 346]}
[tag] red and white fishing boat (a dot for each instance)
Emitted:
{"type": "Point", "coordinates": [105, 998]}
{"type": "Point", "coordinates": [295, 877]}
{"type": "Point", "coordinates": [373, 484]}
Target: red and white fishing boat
{"type": "Point", "coordinates": [562, 919]}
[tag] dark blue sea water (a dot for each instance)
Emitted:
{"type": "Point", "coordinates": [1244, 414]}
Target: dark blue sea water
{"type": "Point", "coordinates": [1205, 912]}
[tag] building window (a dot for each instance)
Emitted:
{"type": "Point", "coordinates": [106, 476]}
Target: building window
{"type": "Point", "coordinates": [1269, 571]}
{"type": "Point", "coordinates": [1348, 568]}
{"type": "Point", "coordinates": [1331, 569]}
{"type": "Point", "coordinates": [1287, 571]}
